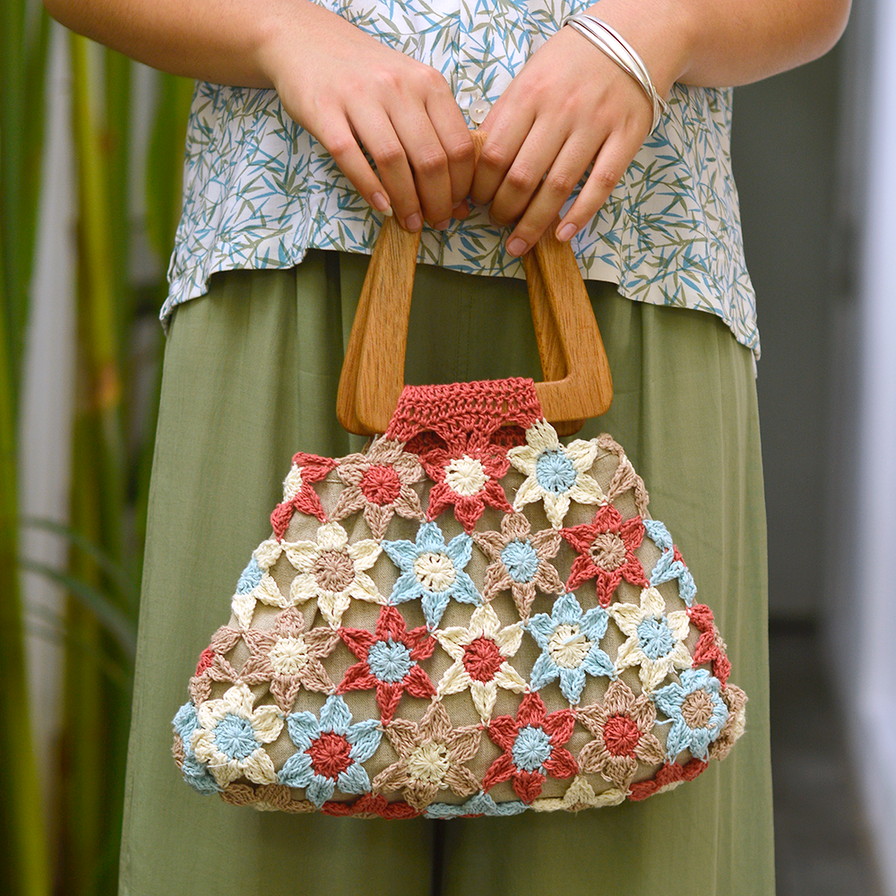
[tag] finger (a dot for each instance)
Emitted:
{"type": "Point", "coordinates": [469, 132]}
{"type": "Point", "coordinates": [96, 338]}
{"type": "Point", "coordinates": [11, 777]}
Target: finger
{"type": "Point", "coordinates": [506, 135]}
{"type": "Point", "coordinates": [554, 190]}
{"type": "Point", "coordinates": [454, 135]}
{"type": "Point", "coordinates": [339, 140]}
{"type": "Point", "coordinates": [540, 157]}
{"type": "Point", "coordinates": [609, 167]}
{"type": "Point", "coordinates": [378, 136]}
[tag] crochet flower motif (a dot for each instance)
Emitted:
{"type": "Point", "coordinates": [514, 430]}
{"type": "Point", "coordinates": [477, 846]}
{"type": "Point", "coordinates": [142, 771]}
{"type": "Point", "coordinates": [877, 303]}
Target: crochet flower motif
{"type": "Point", "coordinates": [623, 736]}
{"type": "Point", "coordinates": [478, 805]}
{"type": "Point", "coordinates": [655, 640]}
{"type": "Point", "coordinates": [298, 493]}
{"type": "Point", "coordinates": [257, 584]}
{"type": "Point", "coordinates": [606, 548]}
{"type": "Point", "coordinates": [570, 646]}
{"type": "Point", "coordinates": [431, 755]}
{"type": "Point", "coordinates": [333, 571]}
{"type": "Point", "coordinates": [555, 473]}
{"type": "Point", "coordinates": [697, 711]}
{"type": "Point", "coordinates": [330, 751]}
{"type": "Point", "coordinates": [533, 745]}
{"type": "Point", "coordinates": [671, 564]}
{"type": "Point", "coordinates": [195, 773]}
{"type": "Point", "coordinates": [231, 735]}
{"type": "Point", "coordinates": [213, 665]}
{"type": "Point", "coordinates": [710, 647]}
{"type": "Point", "coordinates": [389, 661]}
{"type": "Point", "coordinates": [519, 561]}
{"type": "Point", "coordinates": [287, 658]}
{"type": "Point", "coordinates": [481, 653]}
{"type": "Point", "coordinates": [467, 477]}
{"type": "Point", "coordinates": [433, 571]}
{"type": "Point", "coordinates": [380, 483]}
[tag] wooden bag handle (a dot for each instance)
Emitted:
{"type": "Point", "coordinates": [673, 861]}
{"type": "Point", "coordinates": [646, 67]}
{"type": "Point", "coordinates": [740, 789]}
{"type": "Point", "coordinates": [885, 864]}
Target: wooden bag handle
{"type": "Point", "coordinates": [577, 382]}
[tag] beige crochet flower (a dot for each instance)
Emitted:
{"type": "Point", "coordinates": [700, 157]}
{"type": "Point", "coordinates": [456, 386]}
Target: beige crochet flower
{"type": "Point", "coordinates": [555, 473]}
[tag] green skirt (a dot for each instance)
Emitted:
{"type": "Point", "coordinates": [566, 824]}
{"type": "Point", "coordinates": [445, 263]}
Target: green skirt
{"type": "Point", "coordinates": [251, 372]}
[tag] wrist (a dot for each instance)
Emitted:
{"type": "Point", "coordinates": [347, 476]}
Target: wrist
{"type": "Point", "coordinates": [662, 32]}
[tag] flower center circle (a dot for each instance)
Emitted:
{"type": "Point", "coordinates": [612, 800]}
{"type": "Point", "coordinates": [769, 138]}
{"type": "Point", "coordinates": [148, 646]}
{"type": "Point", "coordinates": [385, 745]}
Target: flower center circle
{"type": "Point", "coordinates": [466, 476]}
{"type": "Point", "coordinates": [288, 656]}
{"type": "Point", "coordinates": [380, 485]}
{"type": "Point", "coordinates": [520, 560]}
{"type": "Point", "coordinates": [389, 661]}
{"type": "Point", "coordinates": [482, 659]}
{"type": "Point", "coordinates": [697, 709]}
{"type": "Point", "coordinates": [655, 638]}
{"type": "Point", "coordinates": [531, 749]}
{"type": "Point", "coordinates": [330, 754]}
{"type": "Point", "coordinates": [235, 738]}
{"type": "Point", "coordinates": [429, 764]}
{"type": "Point", "coordinates": [621, 736]}
{"type": "Point", "coordinates": [555, 472]}
{"type": "Point", "coordinates": [333, 570]}
{"type": "Point", "coordinates": [608, 551]}
{"type": "Point", "coordinates": [568, 647]}
{"type": "Point", "coordinates": [435, 572]}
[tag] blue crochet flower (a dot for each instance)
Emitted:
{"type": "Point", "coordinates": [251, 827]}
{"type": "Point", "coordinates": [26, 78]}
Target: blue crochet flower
{"type": "Point", "coordinates": [249, 577]}
{"type": "Point", "coordinates": [433, 571]}
{"type": "Point", "coordinates": [195, 773]}
{"type": "Point", "coordinates": [570, 643]}
{"type": "Point", "coordinates": [671, 565]}
{"type": "Point", "coordinates": [330, 751]}
{"type": "Point", "coordinates": [697, 712]}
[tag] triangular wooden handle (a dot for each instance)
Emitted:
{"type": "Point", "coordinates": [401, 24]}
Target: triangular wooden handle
{"type": "Point", "coordinates": [577, 382]}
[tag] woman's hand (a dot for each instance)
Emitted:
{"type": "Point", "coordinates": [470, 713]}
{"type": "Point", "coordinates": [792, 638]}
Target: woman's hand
{"type": "Point", "coordinates": [351, 91]}
{"type": "Point", "coordinates": [569, 109]}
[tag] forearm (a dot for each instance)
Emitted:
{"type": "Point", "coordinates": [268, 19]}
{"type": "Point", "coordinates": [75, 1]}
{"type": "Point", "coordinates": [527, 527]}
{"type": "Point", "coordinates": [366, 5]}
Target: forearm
{"type": "Point", "coordinates": [722, 43]}
{"type": "Point", "coordinates": [223, 41]}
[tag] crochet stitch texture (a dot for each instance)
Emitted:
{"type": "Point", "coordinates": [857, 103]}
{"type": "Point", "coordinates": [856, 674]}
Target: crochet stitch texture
{"type": "Point", "coordinates": [468, 618]}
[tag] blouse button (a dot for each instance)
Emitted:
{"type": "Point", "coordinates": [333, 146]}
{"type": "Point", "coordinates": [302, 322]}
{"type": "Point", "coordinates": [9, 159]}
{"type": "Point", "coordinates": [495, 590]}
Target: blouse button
{"type": "Point", "coordinates": [479, 111]}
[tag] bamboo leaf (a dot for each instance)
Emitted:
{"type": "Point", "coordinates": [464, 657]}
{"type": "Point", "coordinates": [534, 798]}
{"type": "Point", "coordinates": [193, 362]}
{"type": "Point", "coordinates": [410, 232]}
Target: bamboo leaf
{"type": "Point", "coordinates": [122, 628]}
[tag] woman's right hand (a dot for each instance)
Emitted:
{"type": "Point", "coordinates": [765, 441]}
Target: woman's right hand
{"type": "Point", "coordinates": [355, 94]}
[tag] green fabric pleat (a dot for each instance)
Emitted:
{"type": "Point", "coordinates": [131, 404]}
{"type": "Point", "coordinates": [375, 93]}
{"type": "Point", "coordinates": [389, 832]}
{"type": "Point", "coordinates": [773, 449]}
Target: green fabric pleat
{"type": "Point", "coordinates": [251, 372]}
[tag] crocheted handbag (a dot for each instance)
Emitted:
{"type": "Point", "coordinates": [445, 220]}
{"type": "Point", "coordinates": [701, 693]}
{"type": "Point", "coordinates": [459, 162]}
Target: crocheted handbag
{"type": "Point", "coordinates": [470, 617]}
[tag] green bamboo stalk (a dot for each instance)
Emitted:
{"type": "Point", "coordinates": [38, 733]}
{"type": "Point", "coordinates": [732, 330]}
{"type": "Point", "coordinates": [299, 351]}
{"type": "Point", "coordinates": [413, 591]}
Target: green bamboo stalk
{"type": "Point", "coordinates": [22, 827]}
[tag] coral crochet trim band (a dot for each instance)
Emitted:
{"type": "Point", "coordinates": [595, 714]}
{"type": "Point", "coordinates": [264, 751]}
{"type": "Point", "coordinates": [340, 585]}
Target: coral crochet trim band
{"type": "Point", "coordinates": [469, 618]}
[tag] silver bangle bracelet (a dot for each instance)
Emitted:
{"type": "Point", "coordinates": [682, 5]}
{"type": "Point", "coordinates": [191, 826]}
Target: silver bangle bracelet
{"type": "Point", "coordinates": [613, 45]}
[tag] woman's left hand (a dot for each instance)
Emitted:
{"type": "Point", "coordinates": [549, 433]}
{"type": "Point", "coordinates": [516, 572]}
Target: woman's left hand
{"type": "Point", "coordinates": [569, 108]}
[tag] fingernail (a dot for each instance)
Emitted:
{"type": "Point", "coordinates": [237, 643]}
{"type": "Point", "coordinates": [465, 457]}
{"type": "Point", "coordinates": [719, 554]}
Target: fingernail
{"type": "Point", "coordinates": [516, 246]}
{"type": "Point", "coordinates": [382, 204]}
{"type": "Point", "coordinates": [566, 232]}
{"type": "Point", "coordinates": [413, 222]}
{"type": "Point", "coordinates": [443, 225]}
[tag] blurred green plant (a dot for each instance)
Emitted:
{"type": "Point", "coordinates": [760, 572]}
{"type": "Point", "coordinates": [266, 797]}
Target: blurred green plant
{"type": "Point", "coordinates": [110, 465]}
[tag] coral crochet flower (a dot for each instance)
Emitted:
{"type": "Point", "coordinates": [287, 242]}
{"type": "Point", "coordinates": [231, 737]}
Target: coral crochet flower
{"type": "Point", "coordinates": [622, 727]}
{"type": "Point", "coordinates": [655, 639]}
{"type": "Point", "coordinates": [534, 748]}
{"type": "Point", "coordinates": [380, 484]}
{"type": "Point", "coordinates": [431, 755]}
{"type": "Point", "coordinates": [467, 477]}
{"type": "Point", "coordinates": [606, 548]}
{"type": "Point", "coordinates": [570, 646]}
{"type": "Point", "coordinates": [288, 658]}
{"type": "Point", "coordinates": [481, 654]}
{"type": "Point", "coordinates": [697, 711]}
{"type": "Point", "coordinates": [433, 571]}
{"type": "Point", "coordinates": [231, 735]}
{"type": "Point", "coordinates": [555, 473]}
{"type": "Point", "coordinates": [330, 751]}
{"type": "Point", "coordinates": [389, 661]}
{"type": "Point", "coordinates": [333, 571]}
{"type": "Point", "coordinates": [520, 561]}
{"type": "Point", "coordinates": [298, 493]}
